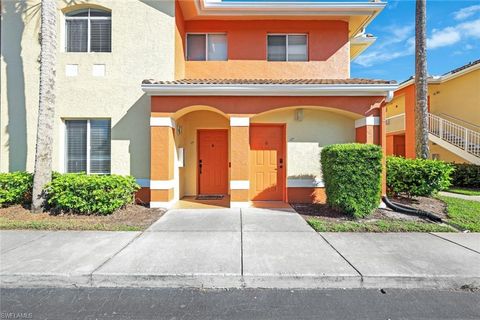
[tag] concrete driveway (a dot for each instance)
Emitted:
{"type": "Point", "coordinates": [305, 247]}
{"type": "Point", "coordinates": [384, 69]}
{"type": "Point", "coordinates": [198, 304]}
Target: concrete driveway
{"type": "Point", "coordinates": [238, 248]}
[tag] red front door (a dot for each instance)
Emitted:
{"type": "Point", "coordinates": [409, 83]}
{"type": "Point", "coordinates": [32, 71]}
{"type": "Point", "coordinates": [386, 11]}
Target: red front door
{"type": "Point", "coordinates": [212, 161]}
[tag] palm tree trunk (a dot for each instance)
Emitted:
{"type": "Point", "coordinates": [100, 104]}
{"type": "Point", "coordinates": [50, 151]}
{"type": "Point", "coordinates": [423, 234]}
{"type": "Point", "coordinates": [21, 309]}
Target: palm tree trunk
{"type": "Point", "coordinates": [421, 78]}
{"type": "Point", "coordinates": [46, 103]}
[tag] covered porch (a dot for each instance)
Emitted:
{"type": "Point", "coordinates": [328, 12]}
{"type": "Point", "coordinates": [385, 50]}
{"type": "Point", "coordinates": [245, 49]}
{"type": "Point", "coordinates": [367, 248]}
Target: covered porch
{"type": "Point", "coordinates": [243, 144]}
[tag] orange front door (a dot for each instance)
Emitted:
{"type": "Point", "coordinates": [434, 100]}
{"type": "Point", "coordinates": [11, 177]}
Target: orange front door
{"type": "Point", "coordinates": [212, 161]}
{"type": "Point", "coordinates": [267, 162]}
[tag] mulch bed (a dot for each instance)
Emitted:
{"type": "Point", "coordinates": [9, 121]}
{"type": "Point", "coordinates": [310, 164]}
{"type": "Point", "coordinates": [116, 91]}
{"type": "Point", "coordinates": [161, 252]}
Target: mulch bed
{"type": "Point", "coordinates": [326, 213]}
{"type": "Point", "coordinates": [132, 215]}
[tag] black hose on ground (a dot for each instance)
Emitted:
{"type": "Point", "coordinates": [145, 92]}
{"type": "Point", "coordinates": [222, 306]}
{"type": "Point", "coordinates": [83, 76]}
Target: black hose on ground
{"type": "Point", "coordinates": [411, 211]}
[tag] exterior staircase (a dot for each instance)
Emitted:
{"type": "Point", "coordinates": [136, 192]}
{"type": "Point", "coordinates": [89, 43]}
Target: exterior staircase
{"type": "Point", "coordinates": [457, 139]}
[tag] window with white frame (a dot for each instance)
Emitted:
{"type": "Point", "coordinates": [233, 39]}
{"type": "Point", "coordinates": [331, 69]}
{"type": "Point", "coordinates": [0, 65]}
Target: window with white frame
{"type": "Point", "coordinates": [287, 47]}
{"type": "Point", "coordinates": [206, 47]}
{"type": "Point", "coordinates": [88, 30]}
{"type": "Point", "coordinates": [88, 146]}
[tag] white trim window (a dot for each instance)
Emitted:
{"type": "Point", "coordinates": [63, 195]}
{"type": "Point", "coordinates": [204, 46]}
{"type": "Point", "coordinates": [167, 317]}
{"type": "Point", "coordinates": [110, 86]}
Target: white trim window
{"type": "Point", "coordinates": [287, 47]}
{"type": "Point", "coordinates": [88, 30]}
{"type": "Point", "coordinates": [206, 47]}
{"type": "Point", "coordinates": [88, 146]}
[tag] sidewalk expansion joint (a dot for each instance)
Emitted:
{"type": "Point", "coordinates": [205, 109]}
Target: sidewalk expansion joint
{"type": "Point", "coordinates": [458, 244]}
{"type": "Point", "coordinates": [113, 256]}
{"type": "Point", "coordinates": [344, 258]}
{"type": "Point", "coordinates": [25, 243]}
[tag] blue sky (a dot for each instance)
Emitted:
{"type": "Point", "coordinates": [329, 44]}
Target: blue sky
{"type": "Point", "coordinates": [453, 31]}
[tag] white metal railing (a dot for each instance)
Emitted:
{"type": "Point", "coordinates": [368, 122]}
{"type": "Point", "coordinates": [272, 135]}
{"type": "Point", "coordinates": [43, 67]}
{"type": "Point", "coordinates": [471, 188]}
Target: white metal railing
{"type": "Point", "coordinates": [459, 136]}
{"type": "Point", "coordinates": [395, 123]}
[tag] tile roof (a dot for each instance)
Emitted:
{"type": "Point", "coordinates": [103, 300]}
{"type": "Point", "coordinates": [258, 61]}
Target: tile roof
{"type": "Point", "coordinates": [268, 81]}
{"type": "Point", "coordinates": [468, 65]}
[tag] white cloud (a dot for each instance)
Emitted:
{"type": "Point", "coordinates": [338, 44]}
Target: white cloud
{"type": "Point", "coordinates": [443, 38]}
{"type": "Point", "coordinates": [471, 28]}
{"type": "Point", "coordinates": [400, 42]}
{"type": "Point", "coordinates": [452, 35]}
{"type": "Point", "coordinates": [466, 12]}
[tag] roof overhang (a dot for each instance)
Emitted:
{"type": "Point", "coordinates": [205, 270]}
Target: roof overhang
{"type": "Point", "coordinates": [441, 79]}
{"type": "Point", "coordinates": [358, 14]}
{"type": "Point", "coordinates": [270, 90]}
{"type": "Point", "coordinates": [359, 44]}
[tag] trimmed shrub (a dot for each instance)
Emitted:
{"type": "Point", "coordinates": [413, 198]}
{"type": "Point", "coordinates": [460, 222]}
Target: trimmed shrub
{"type": "Point", "coordinates": [466, 175]}
{"type": "Point", "coordinates": [417, 177]}
{"type": "Point", "coordinates": [352, 176]}
{"type": "Point", "coordinates": [15, 188]}
{"type": "Point", "coordinates": [87, 194]}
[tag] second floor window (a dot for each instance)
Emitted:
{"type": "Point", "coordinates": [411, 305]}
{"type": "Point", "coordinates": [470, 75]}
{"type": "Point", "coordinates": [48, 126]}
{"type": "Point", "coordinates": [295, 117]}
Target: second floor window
{"type": "Point", "coordinates": [287, 47]}
{"type": "Point", "coordinates": [88, 30]}
{"type": "Point", "coordinates": [206, 47]}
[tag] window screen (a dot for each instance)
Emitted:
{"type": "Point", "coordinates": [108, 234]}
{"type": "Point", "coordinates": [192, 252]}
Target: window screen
{"type": "Point", "coordinates": [77, 35]}
{"type": "Point", "coordinates": [277, 48]}
{"type": "Point", "coordinates": [100, 146]}
{"type": "Point", "coordinates": [289, 47]}
{"type": "Point", "coordinates": [88, 146]}
{"type": "Point", "coordinates": [76, 145]}
{"type": "Point", "coordinates": [297, 48]}
{"type": "Point", "coordinates": [88, 30]}
{"type": "Point", "coordinates": [196, 47]}
{"type": "Point", "coordinates": [217, 47]}
{"type": "Point", "coordinates": [203, 47]}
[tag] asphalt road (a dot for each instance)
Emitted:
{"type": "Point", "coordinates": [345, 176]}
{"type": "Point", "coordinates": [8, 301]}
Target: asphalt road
{"type": "Point", "coordinates": [237, 304]}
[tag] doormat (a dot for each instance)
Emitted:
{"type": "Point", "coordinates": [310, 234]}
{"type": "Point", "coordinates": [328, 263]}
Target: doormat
{"type": "Point", "coordinates": [209, 197]}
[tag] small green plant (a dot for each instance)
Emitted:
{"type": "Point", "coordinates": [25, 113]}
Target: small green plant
{"type": "Point", "coordinates": [90, 194]}
{"type": "Point", "coordinates": [15, 188]}
{"type": "Point", "coordinates": [466, 175]}
{"type": "Point", "coordinates": [417, 177]}
{"type": "Point", "coordinates": [352, 176]}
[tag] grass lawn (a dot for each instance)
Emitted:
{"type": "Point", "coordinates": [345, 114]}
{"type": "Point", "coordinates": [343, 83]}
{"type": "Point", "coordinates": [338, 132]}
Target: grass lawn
{"type": "Point", "coordinates": [65, 224]}
{"type": "Point", "coordinates": [465, 191]}
{"type": "Point", "coordinates": [130, 218]}
{"type": "Point", "coordinates": [377, 226]}
{"type": "Point", "coordinates": [464, 213]}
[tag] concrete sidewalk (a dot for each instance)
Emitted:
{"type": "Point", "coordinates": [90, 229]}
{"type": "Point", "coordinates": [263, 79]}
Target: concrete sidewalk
{"type": "Point", "coordinates": [235, 248]}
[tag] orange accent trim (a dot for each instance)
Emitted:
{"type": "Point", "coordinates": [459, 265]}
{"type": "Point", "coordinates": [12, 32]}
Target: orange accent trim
{"type": "Point", "coordinates": [162, 144]}
{"type": "Point", "coordinates": [253, 105]}
{"type": "Point", "coordinates": [239, 153]}
{"type": "Point", "coordinates": [239, 195]}
{"type": "Point", "coordinates": [161, 195]}
{"type": "Point", "coordinates": [307, 195]}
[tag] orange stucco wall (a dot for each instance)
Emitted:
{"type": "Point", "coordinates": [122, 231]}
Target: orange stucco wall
{"type": "Point", "coordinates": [328, 50]}
{"type": "Point", "coordinates": [307, 195]}
{"type": "Point", "coordinates": [409, 93]}
{"type": "Point", "coordinates": [363, 106]}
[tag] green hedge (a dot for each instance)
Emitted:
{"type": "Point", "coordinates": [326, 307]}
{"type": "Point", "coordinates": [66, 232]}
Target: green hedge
{"type": "Point", "coordinates": [15, 188]}
{"type": "Point", "coordinates": [87, 194]}
{"type": "Point", "coordinates": [352, 176]}
{"type": "Point", "coordinates": [417, 177]}
{"type": "Point", "coordinates": [466, 175]}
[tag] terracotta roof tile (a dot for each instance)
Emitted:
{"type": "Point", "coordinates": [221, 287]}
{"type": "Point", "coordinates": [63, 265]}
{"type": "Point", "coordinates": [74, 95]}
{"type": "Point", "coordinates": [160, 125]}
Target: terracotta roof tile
{"type": "Point", "coordinates": [269, 81]}
{"type": "Point", "coordinates": [468, 65]}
